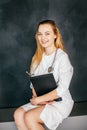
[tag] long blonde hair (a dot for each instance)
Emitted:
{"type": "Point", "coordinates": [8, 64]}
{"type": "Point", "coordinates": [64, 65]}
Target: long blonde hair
{"type": "Point", "coordinates": [39, 50]}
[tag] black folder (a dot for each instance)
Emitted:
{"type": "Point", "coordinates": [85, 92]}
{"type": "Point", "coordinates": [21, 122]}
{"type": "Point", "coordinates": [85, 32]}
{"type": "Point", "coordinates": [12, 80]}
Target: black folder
{"type": "Point", "coordinates": [43, 83]}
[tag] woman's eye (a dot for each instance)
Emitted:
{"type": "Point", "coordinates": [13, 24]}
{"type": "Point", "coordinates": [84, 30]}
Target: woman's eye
{"type": "Point", "coordinates": [39, 34]}
{"type": "Point", "coordinates": [47, 34]}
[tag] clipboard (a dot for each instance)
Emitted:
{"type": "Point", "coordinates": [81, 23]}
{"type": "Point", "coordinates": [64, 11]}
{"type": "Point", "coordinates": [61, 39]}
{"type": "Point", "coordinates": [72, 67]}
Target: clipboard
{"type": "Point", "coordinates": [43, 83]}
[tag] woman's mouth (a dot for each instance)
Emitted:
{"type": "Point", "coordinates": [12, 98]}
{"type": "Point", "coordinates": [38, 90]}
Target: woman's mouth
{"type": "Point", "coordinates": [44, 42]}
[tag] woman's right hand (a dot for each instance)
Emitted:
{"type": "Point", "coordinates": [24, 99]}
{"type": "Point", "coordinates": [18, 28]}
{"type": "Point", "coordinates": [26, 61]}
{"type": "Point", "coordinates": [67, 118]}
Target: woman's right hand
{"type": "Point", "coordinates": [32, 100]}
{"type": "Point", "coordinates": [46, 102]}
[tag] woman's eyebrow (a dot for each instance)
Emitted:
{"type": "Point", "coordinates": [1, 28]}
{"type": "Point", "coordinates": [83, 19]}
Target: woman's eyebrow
{"type": "Point", "coordinates": [47, 32]}
{"type": "Point", "coordinates": [44, 32]}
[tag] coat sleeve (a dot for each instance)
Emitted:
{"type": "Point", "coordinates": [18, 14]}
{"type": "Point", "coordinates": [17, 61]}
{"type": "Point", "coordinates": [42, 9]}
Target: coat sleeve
{"type": "Point", "coordinates": [65, 75]}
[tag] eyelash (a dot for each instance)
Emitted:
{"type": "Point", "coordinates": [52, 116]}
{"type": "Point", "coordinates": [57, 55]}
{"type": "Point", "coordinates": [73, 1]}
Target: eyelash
{"type": "Point", "coordinates": [38, 34]}
{"type": "Point", "coordinates": [47, 34]}
{"type": "Point", "coordinates": [41, 34]}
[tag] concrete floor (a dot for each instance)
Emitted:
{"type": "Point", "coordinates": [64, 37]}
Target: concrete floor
{"type": "Point", "coordinates": [71, 123]}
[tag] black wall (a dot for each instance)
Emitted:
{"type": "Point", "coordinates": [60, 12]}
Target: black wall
{"type": "Point", "coordinates": [18, 21]}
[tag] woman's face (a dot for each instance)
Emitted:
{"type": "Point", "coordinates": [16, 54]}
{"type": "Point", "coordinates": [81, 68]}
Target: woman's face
{"type": "Point", "coordinates": [46, 35]}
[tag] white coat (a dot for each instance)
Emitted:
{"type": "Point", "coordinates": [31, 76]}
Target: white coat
{"type": "Point", "coordinates": [53, 114]}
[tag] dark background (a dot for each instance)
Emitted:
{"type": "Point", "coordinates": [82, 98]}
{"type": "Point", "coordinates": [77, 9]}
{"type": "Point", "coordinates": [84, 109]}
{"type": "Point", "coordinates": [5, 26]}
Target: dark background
{"type": "Point", "coordinates": [18, 22]}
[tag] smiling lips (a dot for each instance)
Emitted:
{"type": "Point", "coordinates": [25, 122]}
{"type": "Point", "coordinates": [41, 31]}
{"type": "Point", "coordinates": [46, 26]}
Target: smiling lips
{"type": "Point", "coordinates": [44, 42]}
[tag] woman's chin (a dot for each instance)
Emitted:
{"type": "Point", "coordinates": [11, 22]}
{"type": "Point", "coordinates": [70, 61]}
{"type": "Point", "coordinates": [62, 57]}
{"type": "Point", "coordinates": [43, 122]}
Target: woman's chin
{"type": "Point", "coordinates": [44, 45]}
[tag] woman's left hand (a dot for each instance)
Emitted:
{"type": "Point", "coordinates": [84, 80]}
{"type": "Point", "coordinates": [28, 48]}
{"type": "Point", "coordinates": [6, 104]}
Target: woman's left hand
{"type": "Point", "coordinates": [33, 100]}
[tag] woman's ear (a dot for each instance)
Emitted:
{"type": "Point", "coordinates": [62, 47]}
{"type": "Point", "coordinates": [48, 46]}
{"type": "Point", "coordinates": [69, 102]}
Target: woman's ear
{"type": "Point", "coordinates": [55, 39]}
{"type": "Point", "coordinates": [55, 36]}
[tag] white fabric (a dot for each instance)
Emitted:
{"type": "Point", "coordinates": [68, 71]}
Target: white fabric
{"type": "Point", "coordinates": [53, 114]}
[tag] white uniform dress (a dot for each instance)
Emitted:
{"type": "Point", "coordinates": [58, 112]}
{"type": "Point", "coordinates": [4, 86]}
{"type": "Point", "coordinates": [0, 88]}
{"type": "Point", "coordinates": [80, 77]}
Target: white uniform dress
{"type": "Point", "coordinates": [53, 114]}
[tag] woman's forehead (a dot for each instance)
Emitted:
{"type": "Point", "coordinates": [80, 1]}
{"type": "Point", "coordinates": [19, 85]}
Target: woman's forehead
{"type": "Point", "coordinates": [45, 27]}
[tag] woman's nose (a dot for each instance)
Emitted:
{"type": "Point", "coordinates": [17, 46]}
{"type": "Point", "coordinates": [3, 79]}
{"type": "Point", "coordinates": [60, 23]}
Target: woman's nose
{"type": "Point", "coordinates": [43, 37]}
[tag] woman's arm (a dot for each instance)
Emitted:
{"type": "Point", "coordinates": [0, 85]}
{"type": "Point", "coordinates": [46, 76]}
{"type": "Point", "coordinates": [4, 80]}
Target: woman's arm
{"type": "Point", "coordinates": [40, 99]}
{"type": "Point", "coordinates": [34, 92]}
{"type": "Point", "coordinates": [46, 98]}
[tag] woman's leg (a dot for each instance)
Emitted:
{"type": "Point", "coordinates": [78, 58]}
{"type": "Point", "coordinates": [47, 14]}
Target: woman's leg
{"type": "Point", "coordinates": [19, 119]}
{"type": "Point", "coordinates": [32, 119]}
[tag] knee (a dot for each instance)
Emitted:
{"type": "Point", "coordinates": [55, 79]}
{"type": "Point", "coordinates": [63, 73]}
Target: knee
{"type": "Point", "coordinates": [18, 114]}
{"type": "Point", "coordinates": [29, 118]}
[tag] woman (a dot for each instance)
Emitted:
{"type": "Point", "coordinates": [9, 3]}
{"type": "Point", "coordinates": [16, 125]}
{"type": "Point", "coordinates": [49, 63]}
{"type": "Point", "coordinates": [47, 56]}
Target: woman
{"type": "Point", "coordinates": [50, 56]}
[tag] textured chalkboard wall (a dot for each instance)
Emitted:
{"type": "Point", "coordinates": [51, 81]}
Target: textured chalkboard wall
{"type": "Point", "coordinates": [18, 21]}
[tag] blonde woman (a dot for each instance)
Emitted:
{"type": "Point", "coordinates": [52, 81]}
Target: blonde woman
{"type": "Point", "coordinates": [50, 56]}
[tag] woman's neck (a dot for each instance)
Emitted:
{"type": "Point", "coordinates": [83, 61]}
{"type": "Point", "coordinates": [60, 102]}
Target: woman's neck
{"type": "Point", "coordinates": [49, 51]}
